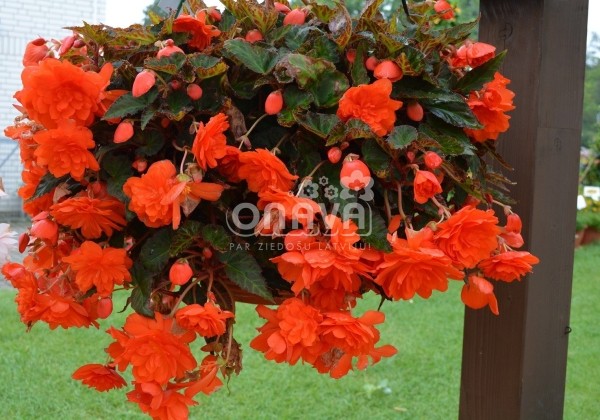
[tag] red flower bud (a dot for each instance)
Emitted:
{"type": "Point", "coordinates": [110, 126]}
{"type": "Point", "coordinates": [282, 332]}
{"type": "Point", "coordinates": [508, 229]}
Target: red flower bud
{"type": "Point", "coordinates": [45, 229]}
{"type": "Point", "coordinates": [207, 253]}
{"type": "Point", "coordinates": [388, 70]}
{"type": "Point", "coordinates": [355, 175]}
{"type": "Point", "coordinates": [254, 35]}
{"type": "Point", "coordinates": [344, 145]}
{"type": "Point", "coordinates": [334, 155]}
{"type": "Point", "coordinates": [140, 165]}
{"type": "Point", "coordinates": [410, 156]}
{"type": "Point", "coordinates": [165, 122]}
{"type": "Point", "coordinates": [214, 14]}
{"type": "Point", "coordinates": [432, 160]}
{"type": "Point", "coordinates": [274, 103]}
{"type": "Point", "coordinates": [414, 111]}
{"type": "Point", "coordinates": [282, 8]}
{"type": "Point", "coordinates": [351, 55]}
{"type": "Point", "coordinates": [143, 83]}
{"type": "Point", "coordinates": [66, 44]}
{"type": "Point", "coordinates": [168, 49]}
{"type": "Point", "coordinates": [371, 63]}
{"type": "Point", "coordinates": [123, 132]}
{"type": "Point", "coordinates": [23, 242]}
{"type": "Point", "coordinates": [180, 272]}
{"type": "Point", "coordinates": [104, 308]}
{"type": "Point", "coordinates": [295, 17]}
{"type": "Point", "coordinates": [194, 92]}
{"type": "Point", "coordinates": [175, 84]}
{"type": "Point", "coordinates": [443, 8]}
{"type": "Point", "coordinates": [35, 51]}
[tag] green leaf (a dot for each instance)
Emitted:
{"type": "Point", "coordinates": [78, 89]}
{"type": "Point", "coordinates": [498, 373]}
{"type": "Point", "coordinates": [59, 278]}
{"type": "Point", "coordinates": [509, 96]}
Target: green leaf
{"type": "Point", "coordinates": [47, 184]}
{"type": "Point", "coordinates": [402, 136]}
{"type": "Point", "coordinates": [319, 124]}
{"type": "Point", "coordinates": [296, 36]}
{"type": "Point", "coordinates": [168, 65]}
{"type": "Point", "coordinates": [328, 89]}
{"type": "Point", "coordinates": [294, 98]}
{"type": "Point", "coordinates": [155, 252]}
{"type": "Point", "coordinates": [185, 237]}
{"type": "Point", "coordinates": [358, 71]}
{"type": "Point", "coordinates": [207, 66]}
{"type": "Point", "coordinates": [153, 143]}
{"type": "Point", "coordinates": [304, 69]}
{"type": "Point", "coordinates": [256, 58]}
{"type": "Point", "coordinates": [216, 236]}
{"type": "Point", "coordinates": [456, 112]}
{"type": "Point", "coordinates": [147, 116]}
{"type": "Point", "coordinates": [476, 78]}
{"type": "Point", "coordinates": [117, 165]}
{"type": "Point", "coordinates": [451, 140]}
{"type": "Point", "coordinates": [416, 88]}
{"type": "Point", "coordinates": [375, 232]}
{"type": "Point", "coordinates": [376, 158]}
{"type": "Point", "coordinates": [178, 101]}
{"type": "Point", "coordinates": [242, 269]}
{"type": "Point", "coordinates": [140, 295]}
{"type": "Point", "coordinates": [350, 130]}
{"type": "Point", "coordinates": [127, 105]}
{"type": "Point", "coordinates": [325, 48]}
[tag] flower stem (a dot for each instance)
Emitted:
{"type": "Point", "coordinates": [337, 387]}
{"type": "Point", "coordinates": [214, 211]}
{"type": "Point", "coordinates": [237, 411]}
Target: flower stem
{"type": "Point", "coordinates": [309, 176]}
{"type": "Point", "coordinates": [185, 292]}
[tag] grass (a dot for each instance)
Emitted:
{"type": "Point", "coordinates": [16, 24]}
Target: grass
{"type": "Point", "coordinates": [423, 378]}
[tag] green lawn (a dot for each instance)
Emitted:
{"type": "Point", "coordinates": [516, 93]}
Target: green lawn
{"type": "Point", "coordinates": [422, 380]}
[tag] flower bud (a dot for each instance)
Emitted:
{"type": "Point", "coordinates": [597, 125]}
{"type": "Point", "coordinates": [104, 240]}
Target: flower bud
{"type": "Point", "coordinates": [334, 155]}
{"type": "Point", "coordinates": [443, 9]}
{"type": "Point", "coordinates": [282, 8]}
{"type": "Point", "coordinates": [295, 17]}
{"type": "Point", "coordinates": [123, 132]}
{"type": "Point", "coordinates": [274, 103]}
{"type": "Point", "coordinates": [388, 70]}
{"type": "Point", "coordinates": [140, 165]}
{"type": "Point", "coordinates": [414, 111]}
{"type": "Point", "coordinates": [35, 51]}
{"type": "Point", "coordinates": [168, 49]}
{"type": "Point", "coordinates": [104, 308]}
{"type": "Point", "coordinates": [23, 242]}
{"type": "Point", "coordinates": [194, 92]}
{"type": "Point", "coordinates": [432, 160]}
{"type": "Point", "coordinates": [180, 272]}
{"type": "Point", "coordinates": [371, 63]}
{"type": "Point", "coordinates": [253, 36]}
{"type": "Point", "coordinates": [143, 83]}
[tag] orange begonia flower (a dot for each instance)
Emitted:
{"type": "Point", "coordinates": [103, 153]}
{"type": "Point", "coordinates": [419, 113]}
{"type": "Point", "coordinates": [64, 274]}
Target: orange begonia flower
{"type": "Point", "coordinates": [511, 233]}
{"type": "Point", "coordinates": [210, 142]}
{"type": "Point", "coordinates": [229, 165]}
{"type": "Point", "coordinates": [35, 51]}
{"type": "Point", "coordinates": [161, 403]}
{"type": "Point", "coordinates": [263, 170]}
{"type": "Point", "coordinates": [508, 266]}
{"type": "Point", "coordinates": [207, 320]}
{"type": "Point", "coordinates": [371, 104]}
{"type": "Point", "coordinates": [55, 91]}
{"type": "Point", "coordinates": [473, 54]}
{"type": "Point", "coordinates": [147, 192]}
{"type": "Point", "coordinates": [157, 348]}
{"type": "Point", "coordinates": [348, 337]}
{"type": "Point", "coordinates": [100, 267]}
{"type": "Point", "coordinates": [100, 377]}
{"type": "Point", "coordinates": [24, 281]}
{"type": "Point", "coordinates": [202, 33]}
{"type": "Point", "coordinates": [468, 236]}
{"type": "Point", "coordinates": [158, 195]}
{"type": "Point", "coordinates": [209, 382]}
{"type": "Point", "coordinates": [415, 266]}
{"type": "Point", "coordinates": [64, 150]}
{"type": "Point", "coordinates": [425, 186]}
{"type": "Point", "coordinates": [489, 106]}
{"type": "Point", "coordinates": [283, 205]}
{"type": "Point", "coordinates": [291, 332]}
{"type": "Point", "coordinates": [333, 259]}
{"type": "Point", "coordinates": [94, 216]}
{"type": "Point", "coordinates": [479, 293]}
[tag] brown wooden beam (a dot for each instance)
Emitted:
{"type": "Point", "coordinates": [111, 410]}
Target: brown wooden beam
{"type": "Point", "coordinates": [514, 365]}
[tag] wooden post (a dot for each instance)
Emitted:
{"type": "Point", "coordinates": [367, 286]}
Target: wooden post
{"type": "Point", "coordinates": [514, 365]}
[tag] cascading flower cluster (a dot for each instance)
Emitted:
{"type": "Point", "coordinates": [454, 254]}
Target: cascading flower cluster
{"type": "Point", "coordinates": [267, 155]}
